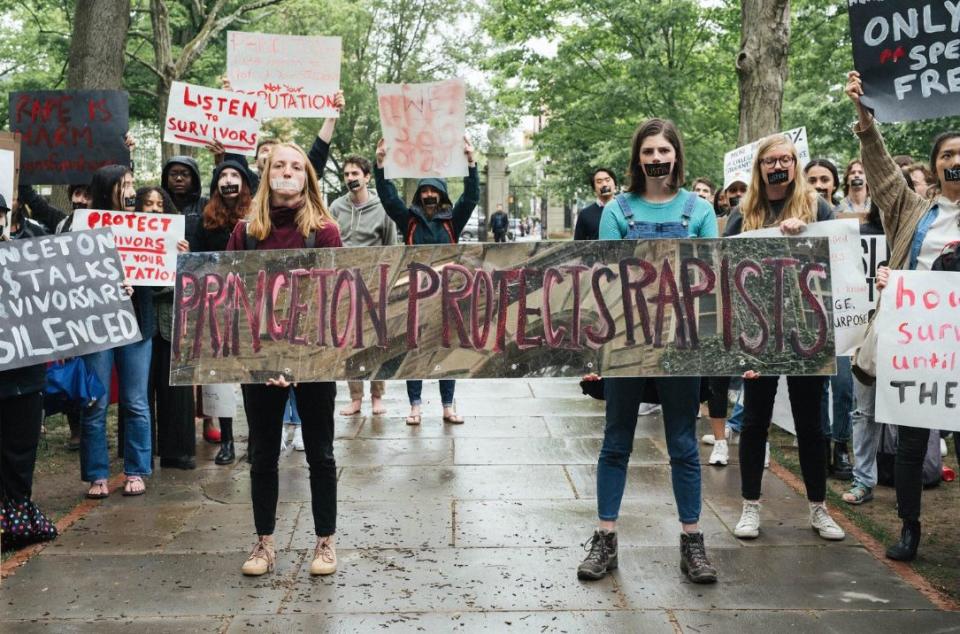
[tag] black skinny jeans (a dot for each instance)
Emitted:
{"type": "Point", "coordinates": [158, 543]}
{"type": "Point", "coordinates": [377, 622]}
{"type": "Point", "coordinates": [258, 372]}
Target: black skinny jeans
{"type": "Point", "coordinates": [719, 386]}
{"type": "Point", "coordinates": [758, 397]}
{"type": "Point", "coordinates": [908, 470]}
{"type": "Point", "coordinates": [172, 407]}
{"type": "Point", "coordinates": [264, 406]}
{"type": "Point", "coordinates": [20, 421]}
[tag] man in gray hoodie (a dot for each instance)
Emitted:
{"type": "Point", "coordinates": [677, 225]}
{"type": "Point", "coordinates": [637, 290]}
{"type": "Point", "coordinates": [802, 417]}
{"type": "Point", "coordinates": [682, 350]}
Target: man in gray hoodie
{"type": "Point", "coordinates": [363, 223]}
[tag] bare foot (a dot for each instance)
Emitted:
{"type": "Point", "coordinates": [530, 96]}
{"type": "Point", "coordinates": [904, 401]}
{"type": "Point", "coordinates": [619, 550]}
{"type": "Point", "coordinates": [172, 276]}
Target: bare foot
{"type": "Point", "coordinates": [352, 409]}
{"type": "Point", "coordinates": [378, 408]}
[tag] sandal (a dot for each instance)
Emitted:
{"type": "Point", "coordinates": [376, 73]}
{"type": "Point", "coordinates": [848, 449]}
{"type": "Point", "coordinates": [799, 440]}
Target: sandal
{"type": "Point", "coordinates": [98, 490]}
{"type": "Point", "coordinates": [134, 486]}
{"type": "Point", "coordinates": [413, 419]}
{"type": "Point", "coordinates": [858, 494]}
{"type": "Point", "coordinates": [453, 419]}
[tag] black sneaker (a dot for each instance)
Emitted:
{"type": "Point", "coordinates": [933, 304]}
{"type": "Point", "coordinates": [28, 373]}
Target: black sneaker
{"type": "Point", "coordinates": [693, 559]}
{"type": "Point", "coordinates": [841, 468]}
{"type": "Point", "coordinates": [601, 556]}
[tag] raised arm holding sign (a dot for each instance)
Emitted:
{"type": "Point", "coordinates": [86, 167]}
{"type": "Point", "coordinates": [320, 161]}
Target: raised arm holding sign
{"type": "Point", "coordinates": [908, 56]}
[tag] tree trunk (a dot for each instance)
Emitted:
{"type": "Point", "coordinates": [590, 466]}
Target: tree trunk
{"type": "Point", "coordinates": [96, 59]}
{"type": "Point", "coordinates": [762, 66]}
{"type": "Point", "coordinates": [97, 45]}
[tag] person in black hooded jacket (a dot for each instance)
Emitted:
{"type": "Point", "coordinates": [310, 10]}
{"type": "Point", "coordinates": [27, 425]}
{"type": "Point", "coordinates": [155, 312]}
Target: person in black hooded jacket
{"type": "Point", "coordinates": [431, 219]}
{"type": "Point", "coordinates": [181, 180]}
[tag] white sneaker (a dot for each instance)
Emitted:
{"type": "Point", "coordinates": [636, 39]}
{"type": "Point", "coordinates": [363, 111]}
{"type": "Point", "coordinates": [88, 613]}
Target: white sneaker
{"type": "Point", "coordinates": [766, 457]}
{"type": "Point", "coordinates": [720, 454]}
{"type": "Point", "coordinates": [749, 525]}
{"type": "Point", "coordinates": [298, 438]}
{"type": "Point", "coordinates": [710, 439]}
{"type": "Point", "coordinates": [821, 522]}
{"type": "Point", "coordinates": [943, 448]}
{"type": "Point", "coordinates": [648, 408]}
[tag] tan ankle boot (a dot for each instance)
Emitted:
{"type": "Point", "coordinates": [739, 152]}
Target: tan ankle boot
{"type": "Point", "coordinates": [324, 557]}
{"type": "Point", "coordinates": [261, 559]}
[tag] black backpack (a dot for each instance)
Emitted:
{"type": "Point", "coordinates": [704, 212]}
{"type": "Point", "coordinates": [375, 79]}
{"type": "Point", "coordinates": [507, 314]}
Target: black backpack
{"type": "Point", "coordinates": [949, 258]}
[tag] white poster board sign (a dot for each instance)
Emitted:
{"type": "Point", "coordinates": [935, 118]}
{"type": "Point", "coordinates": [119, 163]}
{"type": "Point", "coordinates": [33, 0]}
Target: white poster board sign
{"type": "Point", "coordinates": [918, 352]}
{"type": "Point", "coordinates": [146, 242]}
{"type": "Point", "coordinates": [219, 400]}
{"type": "Point", "coordinates": [874, 256]}
{"type": "Point", "coordinates": [197, 115]}
{"type": "Point", "coordinates": [297, 76]}
{"type": "Point", "coordinates": [423, 126]}
{"type": "Point", "coordinates": [737, 164]}
{"type": "Point", "coordinates": [7, 167]}
{"type": "Point", "coordinates": [851, 305]}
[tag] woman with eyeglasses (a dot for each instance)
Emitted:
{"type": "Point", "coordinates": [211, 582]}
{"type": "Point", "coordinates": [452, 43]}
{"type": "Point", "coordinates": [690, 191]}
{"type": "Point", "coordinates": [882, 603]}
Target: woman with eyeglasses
{"type": "Point", "coordinates": [776, 197]}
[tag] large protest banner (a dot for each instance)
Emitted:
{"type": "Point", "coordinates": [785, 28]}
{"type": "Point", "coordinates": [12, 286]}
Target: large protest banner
{"type": "Point", "coordinates": [66, 135]}
{"type": "Point", "coordinates": [738, 163]}
{"type": "Point", "coordinates": [146, 242]}
{"type": "Point", "coordinates": [618, 308]}
{"type": "Point", "coordinates": [907, 55]}
{"type": "Point", "coordinates": [295, 75]}
{"type": "Point", "coordinates": [851, 304]}
{"type": "Point", "coordinates": [61, 296]}
{"type": "Point", "coordinates": [424, 125]}
{"type": "Point", "coordinates": [197, 115]}
{"type": "Point", "coordinates": [874, 256]}
{"type": "Point", "coordinates": [918, 353]}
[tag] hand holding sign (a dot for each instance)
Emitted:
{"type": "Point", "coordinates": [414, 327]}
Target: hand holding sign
{"type": "Point", "coordinates": [854, 90]}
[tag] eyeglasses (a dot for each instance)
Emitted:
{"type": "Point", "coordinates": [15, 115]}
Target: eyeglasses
{"type": "Point", "coordinates": [786, 160]}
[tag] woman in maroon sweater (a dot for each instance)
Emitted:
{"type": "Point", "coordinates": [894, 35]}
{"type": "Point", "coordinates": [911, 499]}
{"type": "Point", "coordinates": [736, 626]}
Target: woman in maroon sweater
{"type": "Point", "coordinates": [288, 213]}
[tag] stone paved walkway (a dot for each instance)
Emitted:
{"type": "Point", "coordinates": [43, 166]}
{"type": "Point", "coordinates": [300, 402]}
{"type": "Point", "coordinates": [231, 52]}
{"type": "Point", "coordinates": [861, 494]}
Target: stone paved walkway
{"type": "Point", "coordinates": [473, 528]}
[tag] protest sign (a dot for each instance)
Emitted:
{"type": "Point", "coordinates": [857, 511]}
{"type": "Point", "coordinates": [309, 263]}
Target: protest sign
{"type": "Point", "coordinates": [618, 308]}
{"type": "Point", "coordinates": [874, 256]}
{"type": "Point", "coordinates": [197, 115]}
{"type": "Point", "coordinates": [146, 242]}
{"type": "Point", "coordinates": [61, 296]}
{"type": "Point", "coordinates": [66, 135]}
{"type": "Point", "coordinates": [295, 75]}
{"type": "Point", "coordinates": [918, 352]}
{"type": "Point", "coordinates": [219, 400]}
{"type": "Point", "coordinates": [424, 126]}
{"type": "Point", "coordinates": [907, 54]}
{"type": "Point", "coordinates": [851, 305]}
{"type": "Point", "coordinates": [738, 163]}
{"type": "Point", "coordinates": [10, 143]}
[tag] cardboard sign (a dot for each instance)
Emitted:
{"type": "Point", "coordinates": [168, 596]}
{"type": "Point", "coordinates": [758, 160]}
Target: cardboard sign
{"type": "Point", "coordinates": [197, 115]}
{"type": "Point", "coordinates": [907, 55]}
{"type": "Point", "coordinates": [146, 242]}
{"type": "Point", "coordinates": [875, 255]}
{"type": "Point", "coordinates": [615, 307]}
{"type": "Point", "coordinates": [66, 135]}
{"type": "Point", "coordinates": [296, 75]}
{"type": "Point", "coordinates": [424, 126]}
{"type": "Point", "coordinates": [738, 163]}
{"type": "Point", "coordinates": [918, 353]}
{"type": "Point", "coordinates": [851, 305]}
{"type": "Point", "coordinates": [61, 296]}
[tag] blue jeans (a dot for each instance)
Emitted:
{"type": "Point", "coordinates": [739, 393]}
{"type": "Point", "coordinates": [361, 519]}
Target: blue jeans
{"type": "Point", "coordinates": [133, 371]}
{"type": "Point", "coordinates": [678, 396]}
{"type": "Point", "coordinates": [290, 413]}
{"type": "Point", "coordinates": [842, 386]}
{"type": "Point", "coordinates": [735, 422]}
{"type": "Point", "coordinates": [447, 386]}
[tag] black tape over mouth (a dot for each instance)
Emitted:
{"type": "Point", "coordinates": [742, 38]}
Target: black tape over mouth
{"type": "Point", "coordinates": [656, 170]}
{"type": "Point", "coordinates": [130, 202]}
{"type": "Point", "coordinates": [778, 178]}
{"type": "Point", "coordinates": [604, 190]}
{"type": "Point", "coordinates": [230, 189]}
{"type": "Point", "coordinates": [857, 182]}
{"type": "Point", "coordinates": [951, 174]}
{"type": "Point", "coordinates": [353, 185]}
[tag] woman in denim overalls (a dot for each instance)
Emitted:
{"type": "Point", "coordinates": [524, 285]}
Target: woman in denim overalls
{"type": "Point", "coordinates": [654, 207]}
